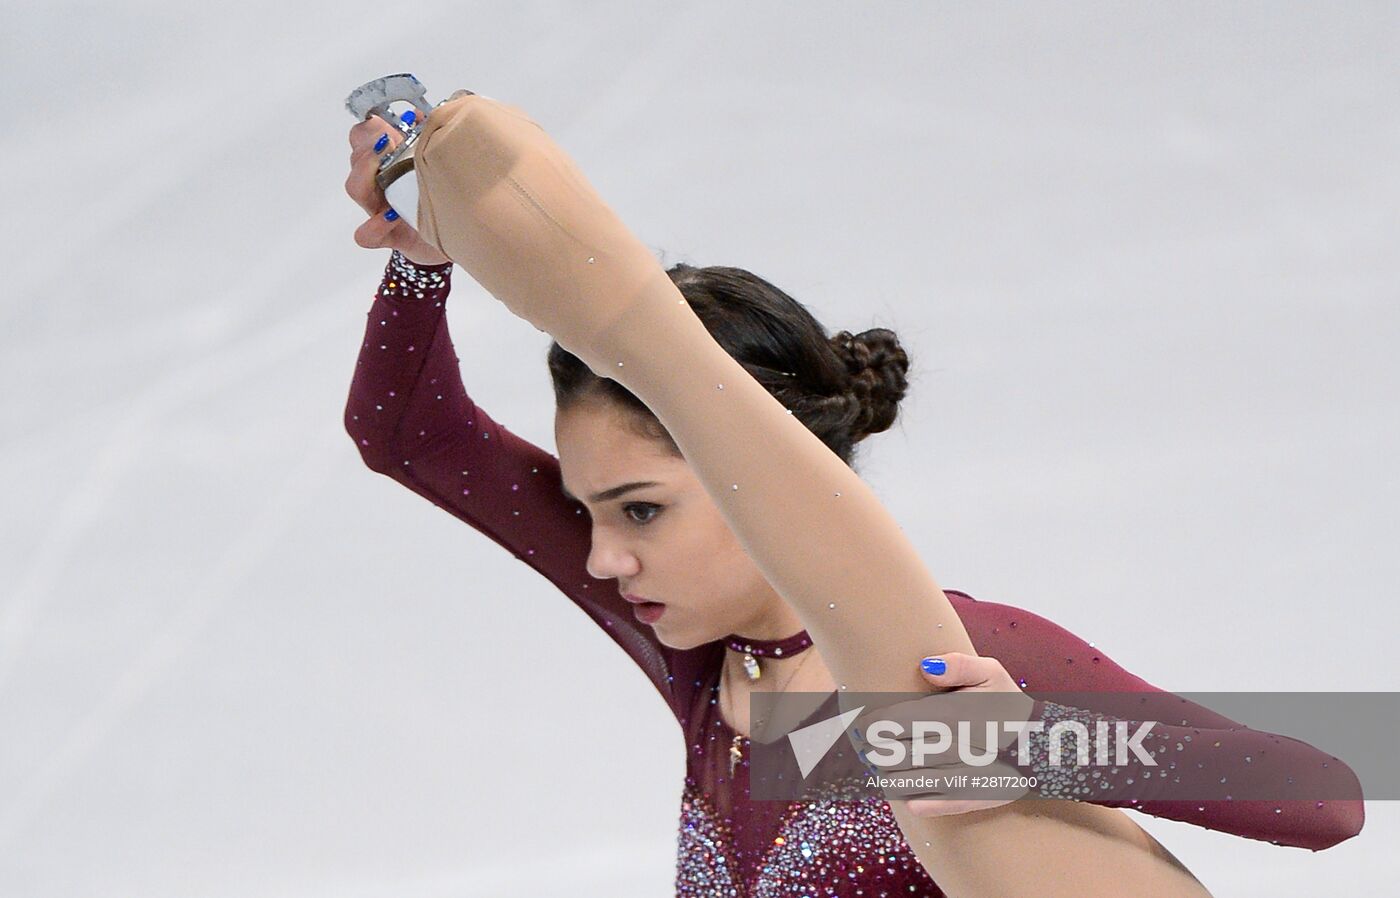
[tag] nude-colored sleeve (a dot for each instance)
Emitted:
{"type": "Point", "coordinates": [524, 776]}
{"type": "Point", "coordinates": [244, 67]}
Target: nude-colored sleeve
{"type": "Point", "coordinates": [504, 202]}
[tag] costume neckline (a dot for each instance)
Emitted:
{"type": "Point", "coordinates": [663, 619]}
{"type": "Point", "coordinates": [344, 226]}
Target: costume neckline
{"type": "Point", "coordinates": [770, 648]}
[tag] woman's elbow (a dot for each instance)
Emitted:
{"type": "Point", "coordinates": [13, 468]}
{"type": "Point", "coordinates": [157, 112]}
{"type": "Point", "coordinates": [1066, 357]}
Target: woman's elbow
{"type": "Point", "coordinates": [1340, 817]}
{"type": "Point", "coordinates": [374, 456]}
{"type": "Point", "coordinates": [1343, 820]}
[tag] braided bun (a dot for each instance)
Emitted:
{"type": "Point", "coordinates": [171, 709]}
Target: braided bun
{"type": "Point", "coordinates": [878, 367]}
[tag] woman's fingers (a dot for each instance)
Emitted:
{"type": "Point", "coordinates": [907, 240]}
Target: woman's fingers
{"type": "Point", "coordinates": [369, 141]}
{"type": "Point", "coordinates": [956, 670]}
{"type": "Point", "coordinates": [979, 710]}
{"type": "Point", "coordinates": [365, 137]}
{"type": "Point", "coordinates": [378, 231]}
{"type": "Point", "coordinates": [363, 189]}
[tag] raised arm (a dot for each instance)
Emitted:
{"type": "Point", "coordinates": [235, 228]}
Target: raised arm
{"type": "Point", "coordinates": [504, 202]}
{"type": "Point", "coordinates": [413, 421]}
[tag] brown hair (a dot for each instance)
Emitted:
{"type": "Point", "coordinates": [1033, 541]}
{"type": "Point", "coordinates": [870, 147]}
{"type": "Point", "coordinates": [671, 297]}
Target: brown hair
{"type": "Point", "coordinates": [842, 388]}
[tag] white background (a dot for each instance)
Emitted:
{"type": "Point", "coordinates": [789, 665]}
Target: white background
{"type": "Point", "coordinates": [1142, 257]}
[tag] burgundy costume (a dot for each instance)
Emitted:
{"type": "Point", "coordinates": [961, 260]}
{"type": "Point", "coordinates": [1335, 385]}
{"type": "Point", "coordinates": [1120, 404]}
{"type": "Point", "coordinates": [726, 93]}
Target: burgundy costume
{"type": "Point", "coordinates": [412, 420]}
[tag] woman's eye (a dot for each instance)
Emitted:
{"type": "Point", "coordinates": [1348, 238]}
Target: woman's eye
{"type": "Point", "coordinates": [648, 512]}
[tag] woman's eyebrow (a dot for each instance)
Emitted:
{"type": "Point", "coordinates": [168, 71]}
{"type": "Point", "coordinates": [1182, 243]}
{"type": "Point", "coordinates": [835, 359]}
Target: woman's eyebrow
{"type": "Point", "coordinates": [611, 493]}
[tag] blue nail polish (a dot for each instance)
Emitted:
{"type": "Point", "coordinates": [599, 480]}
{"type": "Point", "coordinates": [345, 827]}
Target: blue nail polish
{"type": "Point", "coordinates": [935, 666]}
{"type": "Point", "coordinates": [391, 215]}
{"type": "Point", "coordinates": [409, 117]}
{"type": "Point", "coordinates": [381, 143]}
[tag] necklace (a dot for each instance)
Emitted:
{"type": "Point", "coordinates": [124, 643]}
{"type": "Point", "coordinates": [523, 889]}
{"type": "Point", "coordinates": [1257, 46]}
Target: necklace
{"type": "Point", "coordinates": [736, 753]}
{"type": "Point", "coordinates": [753, 649]}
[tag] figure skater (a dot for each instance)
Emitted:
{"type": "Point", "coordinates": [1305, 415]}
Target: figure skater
{"type": "Point", "coordinates": [703, 511]}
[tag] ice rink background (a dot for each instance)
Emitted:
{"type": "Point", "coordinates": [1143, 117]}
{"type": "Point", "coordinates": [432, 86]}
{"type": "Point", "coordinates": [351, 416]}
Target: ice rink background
{"type": "Point", "coordinates": [1143, 258]}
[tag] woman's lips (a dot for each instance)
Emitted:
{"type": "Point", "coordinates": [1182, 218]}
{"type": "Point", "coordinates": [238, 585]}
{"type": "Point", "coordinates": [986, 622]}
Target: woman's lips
{"type": "Point", "coordinates": [644, 611]}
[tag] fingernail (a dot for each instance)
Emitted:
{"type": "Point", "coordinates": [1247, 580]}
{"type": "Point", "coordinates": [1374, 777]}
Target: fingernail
{"type": "Point", "coordinates": [391, 215]}
{"type": "Point", "coordinates": [381, 143]}
{"type": "Point", "coordinates": [409, 117]}
{"type": "Point", "coordinates": [935, 666]}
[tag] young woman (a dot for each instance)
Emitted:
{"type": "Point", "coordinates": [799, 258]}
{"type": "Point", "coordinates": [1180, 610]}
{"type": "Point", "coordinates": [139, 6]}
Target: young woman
{"type": "Point", "coordinates": [707, 473]}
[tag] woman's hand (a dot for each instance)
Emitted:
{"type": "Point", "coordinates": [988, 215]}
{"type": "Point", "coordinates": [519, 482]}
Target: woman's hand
{"type": "Point", "coordinates": [378, 232]}
{"type": "Point", "coordinates": [961, 675]}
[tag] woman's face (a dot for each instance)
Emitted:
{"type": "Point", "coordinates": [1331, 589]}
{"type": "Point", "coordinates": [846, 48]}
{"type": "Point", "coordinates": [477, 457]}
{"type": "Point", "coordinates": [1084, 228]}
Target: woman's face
{"type": "Point", "coordinates": [665, 541]}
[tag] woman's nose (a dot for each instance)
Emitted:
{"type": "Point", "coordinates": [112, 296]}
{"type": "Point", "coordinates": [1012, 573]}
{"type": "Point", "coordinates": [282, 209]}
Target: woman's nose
{"type": "Point", "coordinates": [607, 560]}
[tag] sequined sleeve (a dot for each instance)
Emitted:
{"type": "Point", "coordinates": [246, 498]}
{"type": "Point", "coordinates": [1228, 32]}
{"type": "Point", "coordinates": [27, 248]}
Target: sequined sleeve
{"type": "Point", "coordinates": [413, 421]}
{"type": "Point", "coordinates": [1196, 747]}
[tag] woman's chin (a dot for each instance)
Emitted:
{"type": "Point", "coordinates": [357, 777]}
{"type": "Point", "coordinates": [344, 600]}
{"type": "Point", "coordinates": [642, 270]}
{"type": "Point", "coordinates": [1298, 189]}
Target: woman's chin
{"type": "Point", "coordinates": [674, 640]}
{"type": "Point", "coordinates": [681, 639]}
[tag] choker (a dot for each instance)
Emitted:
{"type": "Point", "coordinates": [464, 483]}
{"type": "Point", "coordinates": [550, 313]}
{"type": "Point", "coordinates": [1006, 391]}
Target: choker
{"type": "Point", "coordinates": [753, 649]}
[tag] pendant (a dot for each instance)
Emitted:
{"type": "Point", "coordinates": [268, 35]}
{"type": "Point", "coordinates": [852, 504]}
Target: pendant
{"type": "Point", "coordinates": [751, 668]}
{"type": "Point", "coordinates": [736, 754]}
